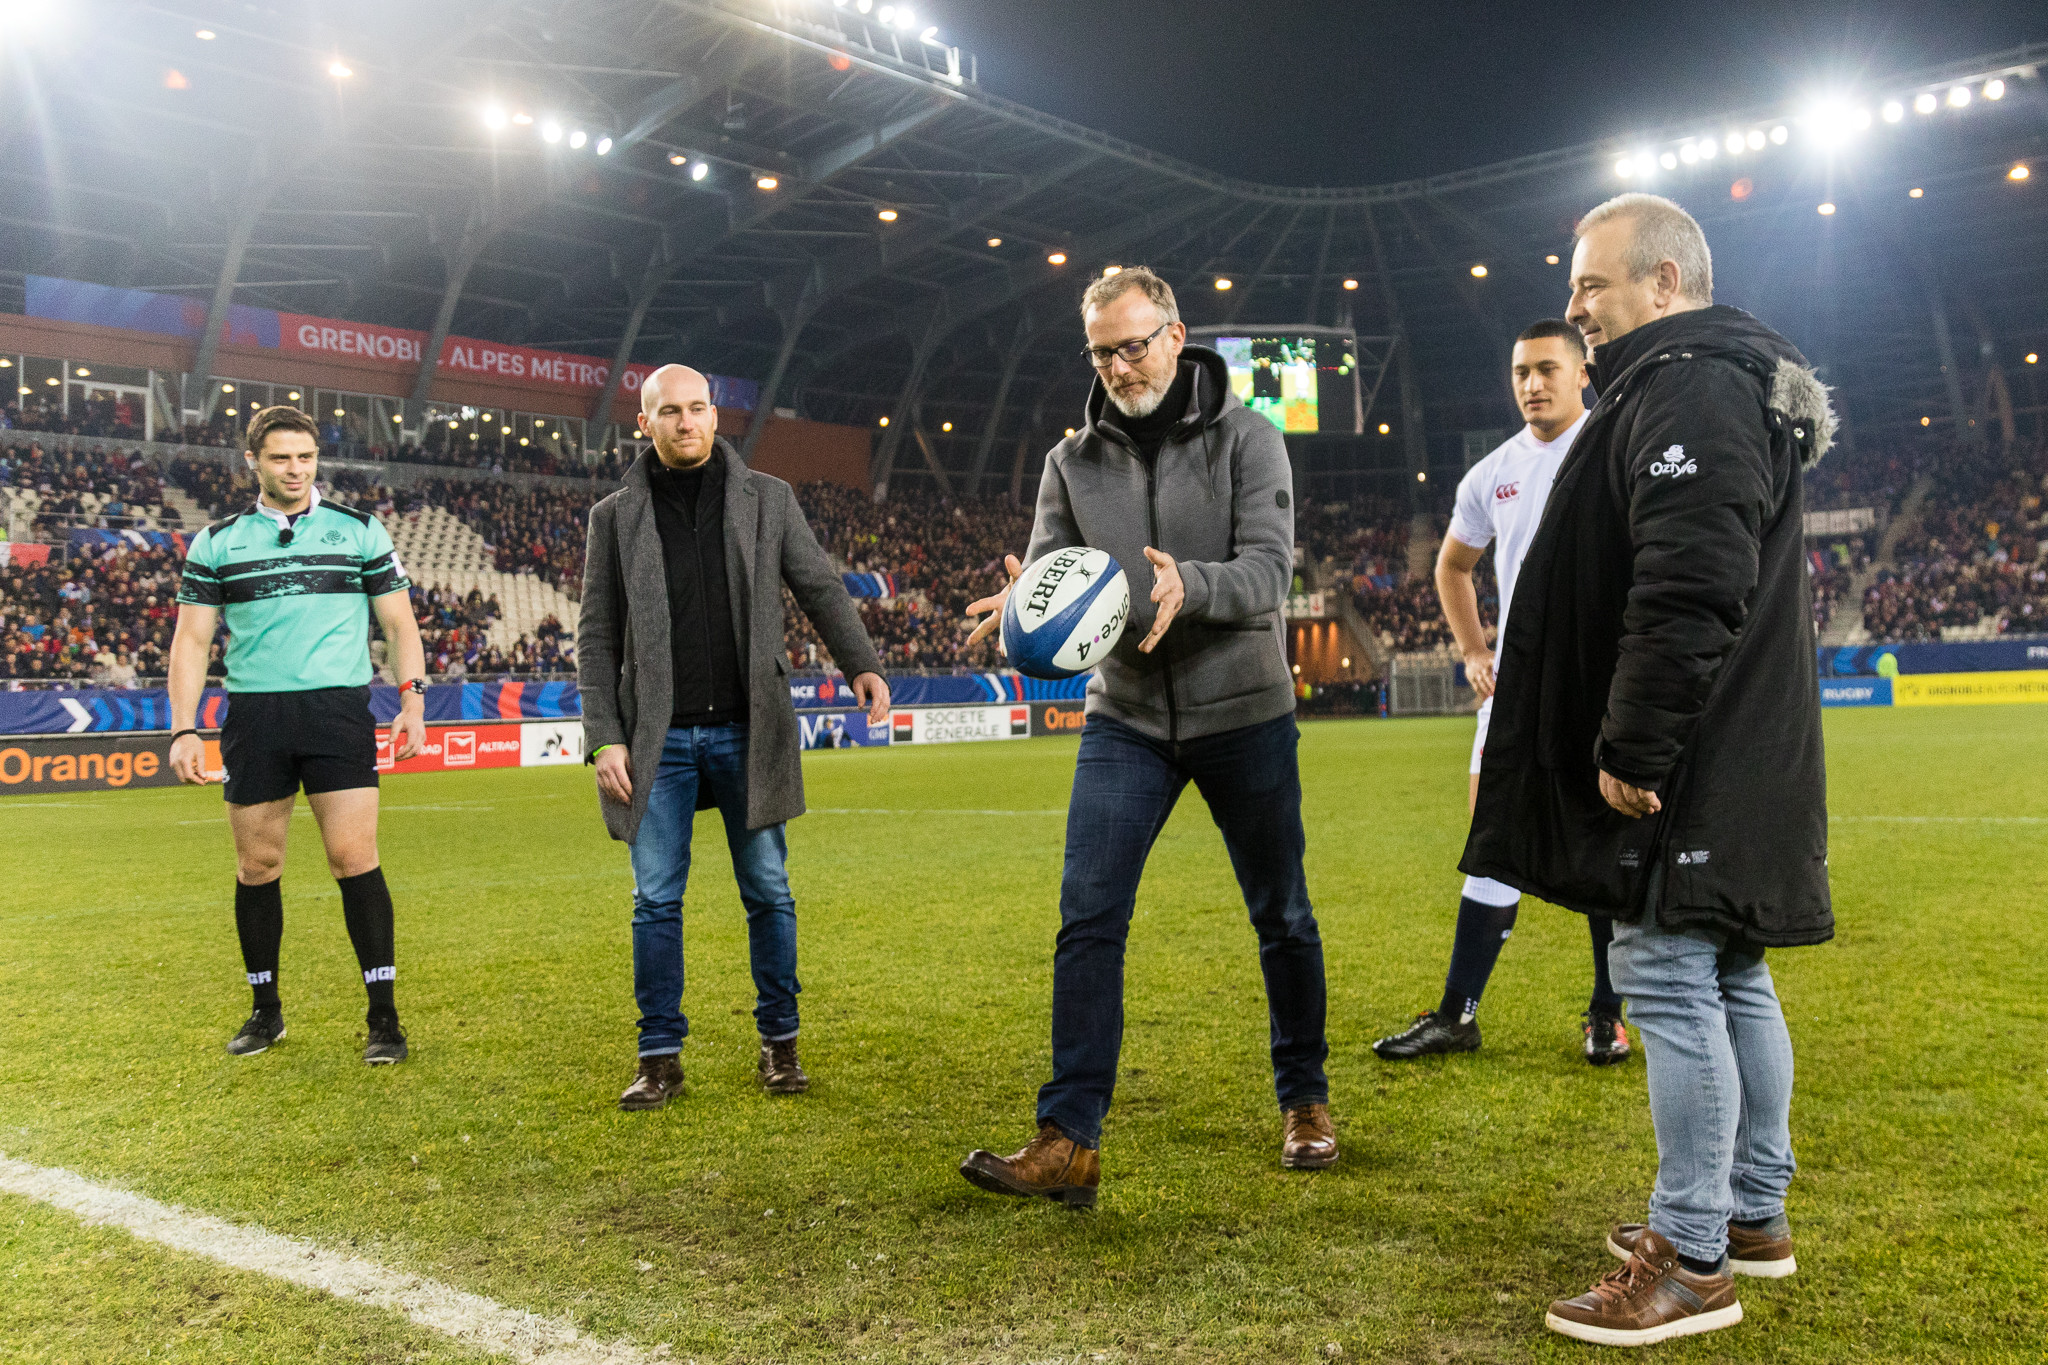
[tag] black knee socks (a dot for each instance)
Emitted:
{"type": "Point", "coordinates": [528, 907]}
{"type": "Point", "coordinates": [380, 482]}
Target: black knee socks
{"type": "Point", "coordinates": [259, 923]}
{"type": "Point", "coordinates": [366, 907]}
{"type": "Point", "coordinates": [1482, 931]}
{"type": "Point", "coordinates": [1604, 996]}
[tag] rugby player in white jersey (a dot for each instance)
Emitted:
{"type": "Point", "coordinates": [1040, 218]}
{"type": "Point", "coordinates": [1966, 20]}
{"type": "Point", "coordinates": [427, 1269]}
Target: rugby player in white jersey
{"type": "Point", "coordinates": [1500, 500]}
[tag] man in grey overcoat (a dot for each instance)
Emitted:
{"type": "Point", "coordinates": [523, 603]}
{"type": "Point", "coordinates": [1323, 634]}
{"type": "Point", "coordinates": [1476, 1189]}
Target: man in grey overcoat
{"type": "Point", "coordinates": [684, 671]}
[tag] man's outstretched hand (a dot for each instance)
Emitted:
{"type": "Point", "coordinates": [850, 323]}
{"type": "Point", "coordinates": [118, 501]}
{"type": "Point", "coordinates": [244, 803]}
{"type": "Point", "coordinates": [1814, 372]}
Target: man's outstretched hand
{"type": "Point", "coordinates": [994, 605]}
{"type": "Point", "coordinates": [1168, 591]}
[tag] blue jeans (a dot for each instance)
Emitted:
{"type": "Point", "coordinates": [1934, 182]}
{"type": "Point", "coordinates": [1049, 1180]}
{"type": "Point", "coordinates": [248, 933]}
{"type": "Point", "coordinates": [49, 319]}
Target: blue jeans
{"type": "Point", "coordinates": [717, 755]}
{"type": "Point", "coordinates": [1125, 787]}
{"type": "Point", "coordinates": [1720, 1067]}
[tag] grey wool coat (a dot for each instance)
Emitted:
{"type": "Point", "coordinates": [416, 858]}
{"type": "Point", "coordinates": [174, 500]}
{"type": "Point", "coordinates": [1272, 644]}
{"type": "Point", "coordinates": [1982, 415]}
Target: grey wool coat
{"type": "Point", "coordinates": [623, 661]}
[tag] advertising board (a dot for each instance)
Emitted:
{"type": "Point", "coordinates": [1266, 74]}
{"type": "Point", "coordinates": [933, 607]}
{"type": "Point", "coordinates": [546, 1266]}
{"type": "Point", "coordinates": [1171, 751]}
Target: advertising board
{"type": "Point", "coordinates": [544, 744]}
{"type": "Point", "coordinates": [839, 730]}
{"type": "Point", "coordinates": [957, 724]}
{"type": "Point", "coordinates": [68, 763]}
{"type": "Point", "coordinates": [1058, 717]}
{"type": "Point", "coordinates": [454, 748]}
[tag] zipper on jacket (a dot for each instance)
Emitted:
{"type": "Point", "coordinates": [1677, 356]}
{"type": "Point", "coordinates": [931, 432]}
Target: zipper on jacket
{"type": "Point", "coordinates": [1166, 661]}
{"type": "Point", "coordinates": [703, 603]}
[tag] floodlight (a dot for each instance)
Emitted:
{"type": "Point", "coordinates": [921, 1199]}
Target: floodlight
{"type": "Point", "coordinates": [1893, 111]}
{"type": "Point", "coordinates": [227, 388]}
{"type": "Point", "coordinates": [1733, 143]}
{"type": "Point", "coordinates": [1958, 96]}
{"type": "Point", "coordinates": [1385, 430]}
{"type": "Point", "coordinates": [1478, 272]}
{"type": "Point", "coordinates": [676, 158]}
{"type": "Point", "coordinates": [1550, 259]}
{"type": "Point", "coordinates": [2033, 358]}
{"type": "Point", "coordinates": [863, 5]}
{"type": "Point", "coordinates": [1994, 89]}
{"type": "Point", "coordinates": [887, 14]}
{"type": "Point", "coordinates": [84, 373]}
{"type": "Point", "coordinates": [766, 182]}
{"type": "Point", "coordinates": [1924, 102]}
{"type": "Point", "coordinates": [551, 131]}
{"type": "Point", "coordinates": [945, 426]}
{"type": "Point", "coordinates": [1351, 284]}
{"type": "Point", "coordinates": [522, 118]}
{"type": "Point", "coordinates": [930, 35]}
{"type": "Point", "coordinates": [1780, 134]}
{"type": "Point", "coordinates": [1754, 139]}
{"type": "Point", "coordinates": [1926, 421]}
{"type": "Point", "coordinates": [339, 71]}
{"type": "Point", "coordinates": [207, 35]}
{"type": "Point", "coordinates": [887, 215]}
{"type": "Point", "coordinates": [293, 395]}
{"type": "Point", "coordinates": [1057, 258]}
{"type": "Point", "coordinates": [1708, 147]}
{"type": "Point", "coordinates": [341, 412]}
{"type": "Point", "coordinates": [1915, 192]}
{"type": "Point", "coordinates": [1421, 476]}
{"type": "Point", "coordinates": [700, 170]}
{"type": "Point", "coordinates": [1109, 270]}
{"type": "Point", "coordinates": [522, 440]}
{"type": "Point", "coordinates": [396, 418]}
{"type": "Point", "coordinates": [1223, 282]}
{"type": "Point", "coordinates": [885, 420]}
{"type": "Point", "coordinates": [1624, 168]}
{"type": "Point", "coordinates": [905, 19]}
{"type": "Point", "coordinates": [578, 138]}
{"type": "Point", "coordinates": [1827, 210]}
{"type": "Point", "coordinates": [503, 431]}
{"type": "Point", "coordinates": [1688, 154]}
{"type": "Point", "coordinates": [494, 117]}
{"type": "Point", "coordinates": [230, 412]}
{"type": "Point", "coordinates": [994, 242]}
{"type": "Point", "coordinates": [453, 422]}
{"type": "Point", "coordinates": [2018, 172]}
{"type": "Point", "coordinates": [604, 146]}
{"type": "Point", "coordinates": [1669, 161]}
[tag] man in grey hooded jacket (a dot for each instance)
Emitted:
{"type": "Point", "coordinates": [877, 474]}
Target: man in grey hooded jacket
{"type": "Point", "coordinates": [1191, 492]}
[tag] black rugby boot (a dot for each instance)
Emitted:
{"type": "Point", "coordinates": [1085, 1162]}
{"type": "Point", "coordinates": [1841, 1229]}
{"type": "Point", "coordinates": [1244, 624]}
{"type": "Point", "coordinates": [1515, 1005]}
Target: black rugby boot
{"type": "Point", "coordinates": [1431, 1033]}
{"type": "Point", "coordinates": [265, 1026]}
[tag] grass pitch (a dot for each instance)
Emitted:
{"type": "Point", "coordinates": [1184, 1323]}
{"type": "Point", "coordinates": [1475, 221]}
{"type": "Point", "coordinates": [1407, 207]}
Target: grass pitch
{"type": "Point", "coordinates": [834, 1227]}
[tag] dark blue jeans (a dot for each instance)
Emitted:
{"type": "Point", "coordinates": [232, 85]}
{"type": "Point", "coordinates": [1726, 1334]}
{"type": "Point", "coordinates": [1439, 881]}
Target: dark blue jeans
{"type": "Point", "coordinates": [1125, 787]}
{"type": "Point", "coordinates": [714, 754]}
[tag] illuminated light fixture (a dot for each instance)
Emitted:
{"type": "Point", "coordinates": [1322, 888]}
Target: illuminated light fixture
{"type": "Point", "coordinates": [905, 19]}
{"type": "Point", "coordinates": [2033, 358]}
{"type": "Point", "coordinates": [206, 35]}
{"type": "Point", "coordinates": [1826, 210]}
{"type": "Point", "coordinates": [522, 118]}
{"type": "Point", "coordinates": [1994, 89]}
{"type": "Point", "coordinates": [230, 412]}
{"type": "Point", "coordinates": [766, 182]}
{"type": "Point", "coordinates": [494, 117]}
{"type": "Point", "coordinates": [1708, 148]}
{"type": "Point", "coordinates": [1915, 192]}
{"type": "Point", "coordinates": [504, 431]}
{"type": "Point", "coordinates": [396, 418]}
{"type": "Point", "coordinates": [1688, 154]}
{"type": "Point", "coordinates": [1958, 96]}
{"type": "Point", "coordinates": [174, 79]}
{"type": "Point", "coordinates": [1109, 270]}
{"type": "Point", "coordinates": [2018, 172]}
{"type": "Point", "coordinates": [339, 70]}
{"type": "Point", "coordinates": [24, 388]}
{"type": "Point", "coordinates": [885, 420]}
{"type": "Point", "coordinates": [6, 362]}
{"type": "Point", "coordinates": [1057, 258]}
{"type": "Point", "coordinates": [551, 131]}
{"type": "Point", "coordinates": [1550, 260]}
{"type": "Point", "coordinates": [1351, 284]}
{"type": "Point", "coordinates": [863, 5]}
{"type": "Point", "coordinates": [604, 146]}
{"type": "Point", "coordinates": [700, 170]}
{"type": "Point", "coordinates": [1421, 476]}
{"type": "Point", "coordinates": [1892, 112]}
{"type": "Point", "coordinates": [230, 388]}
{"type": "Point", "coordinates": [578, 138]}
{"type": "Point", "coordinates": [945, 426]}
{"type": "Point", "coordinates": [1926, 421]}
{"type": "Point", "coordinates": [1478, 272]}
{"type": "Point", "coordinates": [994, 242]}
{"type": "Point", "coordinates": [472, 436]}
{"type": "Point", "coordinates": [676, 158]}
{"type": "Point", "coordinates": [1781, 134]}
{"type": "Point", "coordinates": [1860, 120]}
{"type": "Point", "coordinates": [84, 373]}
{"type": "Point", "coordinates": [1754, 139]}
{"type": "Point", "coordinates": [1669, 161]}
{"type": "Point", "coordinates": [887, 215]}
{"type": "Point", "coordinates": [930, 35]}
{"type": "Point", "coordinates": [1223, 282]}
{"type": "Point", "coordinates": [453, 423]}
{"type": "Point", "coordinates": [1733, 142]}
{"type": "Point", "coordinates": [1624, 168]}
{"type": "Point", "coordinates": [1924, 102]}
{"type": "Point", "coordinates": [293, 395]}
{"type": "Point", "coordinates": [1386, 430]}
{"type": "Point", "coordinates": [1070, 431]}
{"type": "Point", "coordinates": [523, 440]}
{"type": "Point", "coordinates": [887, 14]}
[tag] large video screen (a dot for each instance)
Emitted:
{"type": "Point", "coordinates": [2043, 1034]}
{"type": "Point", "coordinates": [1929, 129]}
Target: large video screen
{"type": "Point", "coordinates": [1302, 382]}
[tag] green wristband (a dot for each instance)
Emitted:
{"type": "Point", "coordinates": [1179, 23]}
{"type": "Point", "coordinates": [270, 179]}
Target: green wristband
{"type": "Point", "coordinates": [601, 748]}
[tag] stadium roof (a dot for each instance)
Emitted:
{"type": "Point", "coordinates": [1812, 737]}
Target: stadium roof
{"type": "Point", "coordinates": [438, 166]}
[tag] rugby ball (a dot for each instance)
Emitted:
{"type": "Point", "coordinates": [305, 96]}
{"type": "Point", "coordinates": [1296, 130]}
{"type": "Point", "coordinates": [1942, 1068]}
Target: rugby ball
{"type": "Point", "coordinates": [1066, 611]}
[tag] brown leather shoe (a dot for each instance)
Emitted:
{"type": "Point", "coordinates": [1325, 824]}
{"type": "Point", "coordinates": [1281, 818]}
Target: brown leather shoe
{"type": "Point", "coordinates": [660, 1079]}
{"type": "Point", "coordinates": [1765, 1253]}
{"type": "Point", "coordinates": [779, 1071]}
{"type": "Point", "coordinates": [1052, 1166]}
{"type": "Point", "coordinates": [1309, 1142]}
{"type": "Point", "coordinates": [1649, 1298]}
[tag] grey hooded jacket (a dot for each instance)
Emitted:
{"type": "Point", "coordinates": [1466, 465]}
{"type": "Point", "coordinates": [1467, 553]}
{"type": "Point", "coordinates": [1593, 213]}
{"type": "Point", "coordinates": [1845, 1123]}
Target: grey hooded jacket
{"type": "Point", "coordinates": [1219, 498]}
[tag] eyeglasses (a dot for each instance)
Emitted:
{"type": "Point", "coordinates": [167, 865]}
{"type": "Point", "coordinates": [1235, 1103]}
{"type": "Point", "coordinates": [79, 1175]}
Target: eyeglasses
{"type": "Point", "coordinates": [1132, 351]}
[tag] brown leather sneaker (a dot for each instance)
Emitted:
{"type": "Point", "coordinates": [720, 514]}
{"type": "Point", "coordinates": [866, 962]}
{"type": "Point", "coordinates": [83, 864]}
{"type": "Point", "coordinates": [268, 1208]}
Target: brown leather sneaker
{"type": "Point", "coordinates": [660, 1079]}
{"type": "Point", "coordinates": [1052, 1166]}
{"type": "Point", "coordinates": [1649, 1298]}
{"type": "Point", "coordinates": [779, 1071]}
{"type": "Point", "coordinates": [1309, 1142]}
{"type": "Point", "coordinates": [1765, 1253]}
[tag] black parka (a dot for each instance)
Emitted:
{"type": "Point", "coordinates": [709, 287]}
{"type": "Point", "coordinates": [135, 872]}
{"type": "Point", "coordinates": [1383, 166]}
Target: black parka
{"type": "Point", "coordinates": [1662, 630]}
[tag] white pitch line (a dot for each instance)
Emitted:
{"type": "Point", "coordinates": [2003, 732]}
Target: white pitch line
{"type": "Point", "coordinates": [470, 1319]}
{"type": "Point", "coordinates": [1943, 819]}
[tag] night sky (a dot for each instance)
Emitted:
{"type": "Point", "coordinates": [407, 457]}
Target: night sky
{"type": "Point", "coordinates": [1357, 93]}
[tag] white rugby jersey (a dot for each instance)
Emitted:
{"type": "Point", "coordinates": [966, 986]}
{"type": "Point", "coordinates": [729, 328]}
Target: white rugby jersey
{"type": "Point", "coordinates": [1501, 499]}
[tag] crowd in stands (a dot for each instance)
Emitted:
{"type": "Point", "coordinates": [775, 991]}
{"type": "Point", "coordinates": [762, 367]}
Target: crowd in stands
{"type": "Point", "coordinates": [1975, 553]}
{"type": "Point", "coordinates": [85, 487]}
{"type": "Point", "coordinates": [104, 617]}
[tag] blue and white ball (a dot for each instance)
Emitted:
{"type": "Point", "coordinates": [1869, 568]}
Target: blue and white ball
{"type": "Point", "coordinates": [1066, 612]}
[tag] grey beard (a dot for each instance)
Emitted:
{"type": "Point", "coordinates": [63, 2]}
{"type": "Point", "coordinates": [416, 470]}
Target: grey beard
{"type": "Point", "coordinates": [1145, 404]}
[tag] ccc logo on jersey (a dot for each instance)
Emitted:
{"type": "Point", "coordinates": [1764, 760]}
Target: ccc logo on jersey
{"type": "Point", "coordinates": [1507, 492]}
{"type": "Point", "coordinates": [331, 538]}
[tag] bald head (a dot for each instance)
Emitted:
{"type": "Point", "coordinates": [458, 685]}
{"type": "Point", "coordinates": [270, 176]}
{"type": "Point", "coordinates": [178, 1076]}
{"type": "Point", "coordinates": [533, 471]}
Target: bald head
{"type": "Point", "coordinates": [677, 415]}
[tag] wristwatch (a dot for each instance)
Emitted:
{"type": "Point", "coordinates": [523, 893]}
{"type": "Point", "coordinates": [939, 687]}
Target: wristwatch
{"type": "Point", "coordinates": [418, 685]}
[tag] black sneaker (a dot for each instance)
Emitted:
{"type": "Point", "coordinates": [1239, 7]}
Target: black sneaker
{"type": "Point", "coordinates": [264, 1028]}
{"type": "Point", "coordinates": [1430, 1033]}
{"type": "Point", "coordinates": [387, 1044]}
{"type": "Point", "coordinates": [1606, 1036]}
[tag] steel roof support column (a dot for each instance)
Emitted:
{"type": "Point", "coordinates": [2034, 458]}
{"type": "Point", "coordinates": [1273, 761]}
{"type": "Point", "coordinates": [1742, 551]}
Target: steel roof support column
{"type": "Point", "coordinates": [1951, 374]}
{"type": "Point", "coordinates": [1413, 438]}
{"type": "Point", "coordinates": [1019, 344]}
{"type": "Point", "coordinates": [643, 296]}
{"type": "Point", "coordinates": [468, 248]}
{"type": "Point", "coordinates": [906, 402]}
{"type": "Point", "coordinates": [793, 324]}
{"type": "Point", "coordinates": [254, 201]}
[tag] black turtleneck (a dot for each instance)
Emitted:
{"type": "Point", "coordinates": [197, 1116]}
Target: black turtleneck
{"type": "Point", "coordinates": [689, 513]}
{"type": "Point", "coordinates": [1149, 432]}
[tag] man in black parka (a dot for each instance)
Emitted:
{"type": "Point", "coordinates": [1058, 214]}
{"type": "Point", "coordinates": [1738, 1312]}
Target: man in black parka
{"type": "Point", "coordinates": [1655, 753]}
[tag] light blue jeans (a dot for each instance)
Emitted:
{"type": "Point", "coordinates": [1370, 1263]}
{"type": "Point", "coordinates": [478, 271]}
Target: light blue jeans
{"type": "Point", "coordinates": [1720, 1067]}
{"type": "Point", "coordinates": [692, 758]}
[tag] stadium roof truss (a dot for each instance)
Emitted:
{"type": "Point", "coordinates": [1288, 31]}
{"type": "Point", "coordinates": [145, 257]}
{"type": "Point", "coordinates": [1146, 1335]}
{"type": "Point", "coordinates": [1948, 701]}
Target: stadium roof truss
{"type": "Point", "coordinates": [919, 253]}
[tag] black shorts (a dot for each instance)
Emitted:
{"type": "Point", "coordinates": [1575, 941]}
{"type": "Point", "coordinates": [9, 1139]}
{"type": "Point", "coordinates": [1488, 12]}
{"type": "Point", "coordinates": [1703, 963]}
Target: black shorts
{"type": "Point", "coordinates": [274, 743]}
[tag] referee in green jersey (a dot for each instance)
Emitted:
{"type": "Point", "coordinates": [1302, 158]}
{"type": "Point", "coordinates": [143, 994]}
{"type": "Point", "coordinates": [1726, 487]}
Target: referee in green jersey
{"type": "Point", "coordinates": [295, 577]}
